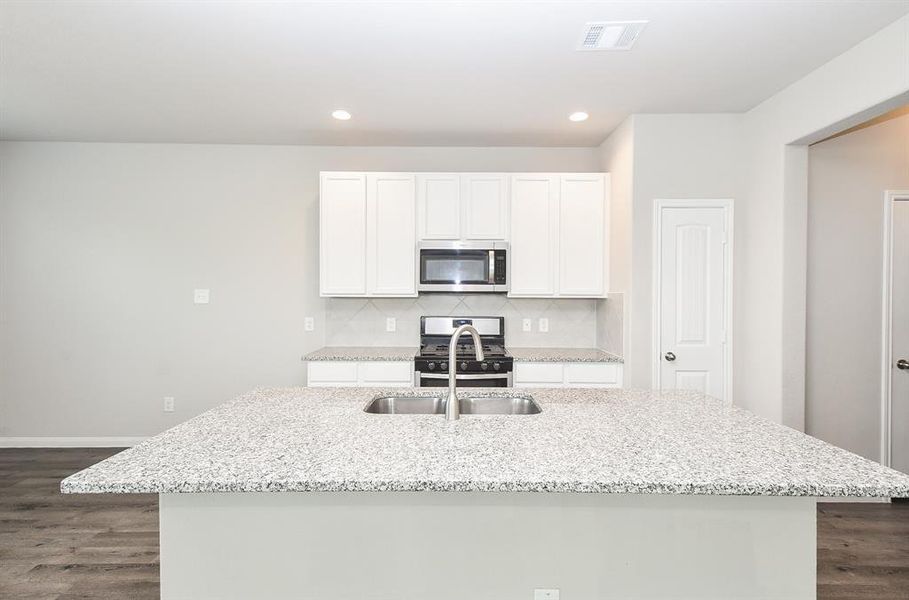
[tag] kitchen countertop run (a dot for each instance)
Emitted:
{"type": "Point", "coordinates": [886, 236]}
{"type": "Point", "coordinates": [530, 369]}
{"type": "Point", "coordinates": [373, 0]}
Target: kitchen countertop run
{"type": "Point", "coordinates": [357, 353]}
{"type": "Point", "coordinates": [585, 440]}
{"type": "Point", "coordinates": [563, 355]}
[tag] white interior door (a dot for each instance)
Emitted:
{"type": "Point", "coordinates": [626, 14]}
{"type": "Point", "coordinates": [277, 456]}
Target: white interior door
{"type": "Point", "coordinates": [693, 278]}
{"type": "Point", "coordinates": [899, 338]}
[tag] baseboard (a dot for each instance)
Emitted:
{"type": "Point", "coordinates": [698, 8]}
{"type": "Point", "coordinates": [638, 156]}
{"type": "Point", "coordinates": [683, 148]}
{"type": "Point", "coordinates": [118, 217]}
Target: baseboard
{"type": "Point", "coordinates": [70, 442]}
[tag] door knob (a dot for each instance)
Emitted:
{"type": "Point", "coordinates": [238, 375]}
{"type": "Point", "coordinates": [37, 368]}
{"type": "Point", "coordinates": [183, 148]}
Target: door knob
{"type": "Point", "coordinates": [671, 357]}
{"type": "Point", "coordinates": [902, 364]}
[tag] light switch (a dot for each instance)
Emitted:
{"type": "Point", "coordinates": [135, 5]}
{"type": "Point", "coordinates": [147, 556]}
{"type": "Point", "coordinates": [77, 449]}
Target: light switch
{"type": "Point", "coordinates": [201, 296]}
{"type": "Point", "coordinates": [168, 404]}
{"type": "Point", "coordinates": [543, 325]}
{"type": "Point", "coordinates": [391, 324]}
{"type": "Point", "coordinates": [527, 325]}
{"type": "Point", "coordinates": [546, 594]}
{"type": "Point", "coordinates": [309, 324]}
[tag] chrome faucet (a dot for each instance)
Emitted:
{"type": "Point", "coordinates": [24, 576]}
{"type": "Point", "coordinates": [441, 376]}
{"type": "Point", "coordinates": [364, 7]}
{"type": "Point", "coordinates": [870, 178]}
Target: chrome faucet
{"type": "Point", "coordinates": [453, 408]}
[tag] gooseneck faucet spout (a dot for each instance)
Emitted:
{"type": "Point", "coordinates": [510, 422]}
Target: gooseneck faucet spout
{"type": "Point", "coordinates": [453, 408]}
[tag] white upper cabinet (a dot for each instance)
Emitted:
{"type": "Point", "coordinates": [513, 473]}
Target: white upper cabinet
{"type": "Point", "coordinates": [455, 206]}
{"type": "Point", "coordinates": [391, 235]}
{"type": "Point", "coordinates": [533, 250]}
{"type": "Point", "coordinates": [583, 240]}
{"type": "Point", "coordinates": [484, 206]}
{"type": "Point", "coordinates": [439, 206]}
{"type": "Point", "coordinates": [559, 235]}
{"type": "Point", "coordinates": [342, 234]}
{"type": "Point", "coordinates": [556, 224]}
{"type": "Point", "coordinates": [367, 234]}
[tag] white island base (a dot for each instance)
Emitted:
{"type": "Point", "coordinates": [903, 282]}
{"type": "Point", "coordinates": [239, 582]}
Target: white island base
{"type": "Point", "coordinates": [485, 546]}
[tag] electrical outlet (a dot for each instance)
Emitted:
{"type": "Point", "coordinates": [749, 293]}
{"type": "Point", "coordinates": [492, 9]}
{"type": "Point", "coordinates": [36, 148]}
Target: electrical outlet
{"type": "Point", "coordinates": [543, 325]}
{"type": "Point", "coordinates": [201, 296]}
{"type": "Point", "coordinates": [168, 404]}
{"type": "Point", "coordinates": [391, 324]}
{"type": "Point", "coordinates": [546, 594]}
{"type": "Point", "coordinates": [527, 325]}
{"type": "Point", "coordinates": [309, 324]}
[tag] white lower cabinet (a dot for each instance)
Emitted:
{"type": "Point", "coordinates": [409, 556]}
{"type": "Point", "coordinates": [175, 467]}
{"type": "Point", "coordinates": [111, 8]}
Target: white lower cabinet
{"type": "Point", "coordinates": [345, 373]}
{"type": "Point", "coordinates": [574, 374]}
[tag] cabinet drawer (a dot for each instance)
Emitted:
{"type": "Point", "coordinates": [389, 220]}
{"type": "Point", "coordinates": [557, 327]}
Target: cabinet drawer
{"type": "Point", "coordinates": [538, 373]}
{"type": "Point", "coordinates": [384, 372]}
{"type": "Point", "coordinates": [591, 373]}
{"type": "Point", "coordinates": [332, 373]}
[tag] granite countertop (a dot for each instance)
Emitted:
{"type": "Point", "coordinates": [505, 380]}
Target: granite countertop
{"type": "Point", "coordinates": [563, 355]}
{"type": "Point", "coordinates": [585, 440]}
{"type": "Point", "coordinates": [355, 353]}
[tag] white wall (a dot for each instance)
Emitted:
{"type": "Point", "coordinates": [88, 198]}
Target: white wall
{"type": "Point", "coordinates": [101, 246]}
{"type": "Point", "coordinates": [760, 160]}
{"type": "Point", "coordinates": [865, 81]}
{"type": "Point", "coordinates": [662, 157]}
{"type": "Point", "coordinates": [847, 179]}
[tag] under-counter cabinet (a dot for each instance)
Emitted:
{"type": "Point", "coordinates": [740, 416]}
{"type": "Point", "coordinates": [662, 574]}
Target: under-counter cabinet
{"type": "Point", "coordinates": [559, 235]}
{"type": "Point", "coordinates": [367, 234]}
{"type": "Point", "coordinates": [572, 374]}
{"type": "Point", "coordinates": [462, 206]}
{"type": "Point", "coordinates": [346, 373]}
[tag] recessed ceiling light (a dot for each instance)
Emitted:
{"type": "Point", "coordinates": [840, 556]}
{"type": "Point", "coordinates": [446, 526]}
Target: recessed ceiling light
{"type": "Point", "coordinates": [577, 117]}
{"type": "Point", "coordinates": [341, 115]}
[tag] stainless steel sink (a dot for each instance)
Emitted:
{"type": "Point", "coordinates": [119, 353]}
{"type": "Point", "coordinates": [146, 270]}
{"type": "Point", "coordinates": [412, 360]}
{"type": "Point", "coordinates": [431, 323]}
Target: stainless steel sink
{"type": "Point", "coordinates": [406, 405]}
{"type": "Point", "coordinates": [470, 405]}
{"type": "Point", "coordinates": [499, 405]}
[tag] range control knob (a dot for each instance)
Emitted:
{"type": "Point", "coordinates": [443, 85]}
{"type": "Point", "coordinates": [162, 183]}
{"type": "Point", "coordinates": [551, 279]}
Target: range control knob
{"type": "Point", "coordinates": [496, 366]}
{"type": "Point", "coordinates": [444, 366]}
{"type": "Point", "coordinates": [431, 366]}
{"type": "Point", "coordinates": [484, 366]}
{"type": "Point", "coordinates": [463, 366]}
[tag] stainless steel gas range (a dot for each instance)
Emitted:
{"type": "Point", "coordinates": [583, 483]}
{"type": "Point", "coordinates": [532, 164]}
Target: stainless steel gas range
{"type": "Point", "coordinates": [431, 365]}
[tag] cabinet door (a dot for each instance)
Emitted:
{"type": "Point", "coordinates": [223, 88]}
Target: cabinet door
{"type": "Point", "coordinates": [439, 206]}
{"type": "Point", "coordinates": [534, 232]}
{"type": "Point", "coordinates": [391, 235]}
{"type": "Point", "coordinates": [386, 374]}
{"type": "Point", "coordinates": [582, 235]}
{"type": "Point", "coordinates": [544, 375]}
{"type": "Point", "coordinates": [342, 234]}
{"type": "Point", "coordinates": [484, 206]}
{"type": "Point", "coordinates": [593, 375]}
{"type": "Point", "coordinates": [331, 374]}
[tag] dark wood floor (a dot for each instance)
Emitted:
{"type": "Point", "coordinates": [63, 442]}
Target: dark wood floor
{"type": "Point", "coordinates": [106, 546]}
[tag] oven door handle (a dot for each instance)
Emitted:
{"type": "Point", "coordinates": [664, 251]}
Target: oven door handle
{"type": "Point", "coordinates": [465, 375]}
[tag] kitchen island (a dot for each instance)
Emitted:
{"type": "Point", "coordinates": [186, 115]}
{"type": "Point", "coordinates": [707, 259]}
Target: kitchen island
{"type": "Point", "coordinates": [297, 492]}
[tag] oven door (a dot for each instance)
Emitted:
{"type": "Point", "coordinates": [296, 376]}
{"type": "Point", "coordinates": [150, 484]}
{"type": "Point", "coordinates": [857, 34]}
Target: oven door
{"type": "Point", "coordinates": [461, 267]}
{"type": "Point", "coordinates": [465, 380]}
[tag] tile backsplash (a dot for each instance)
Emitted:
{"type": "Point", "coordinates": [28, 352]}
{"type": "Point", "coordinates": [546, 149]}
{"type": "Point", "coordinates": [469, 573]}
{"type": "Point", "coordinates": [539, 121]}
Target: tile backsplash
{"type": "Point", "coordinates": [361, 321]}
{"type": "Point", "coordinates": [611, 324]}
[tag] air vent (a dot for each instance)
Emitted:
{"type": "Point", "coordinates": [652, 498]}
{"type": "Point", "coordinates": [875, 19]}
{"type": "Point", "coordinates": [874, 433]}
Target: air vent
{"type": "Point", "coordinates": [610, 35]}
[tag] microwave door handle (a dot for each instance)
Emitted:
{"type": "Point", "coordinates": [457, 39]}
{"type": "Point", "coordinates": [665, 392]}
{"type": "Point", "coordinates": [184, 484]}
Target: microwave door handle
{"type": "Point", "coordinates": [491, 279]}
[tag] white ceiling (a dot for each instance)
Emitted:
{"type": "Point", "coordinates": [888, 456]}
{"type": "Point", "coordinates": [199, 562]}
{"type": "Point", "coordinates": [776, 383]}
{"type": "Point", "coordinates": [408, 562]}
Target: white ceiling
{"type": "Point", "coordinates": [411, 73]}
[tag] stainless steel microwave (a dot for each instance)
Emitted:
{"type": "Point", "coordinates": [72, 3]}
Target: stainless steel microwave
{"type": "Point", "coordinates": [463, 266]}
